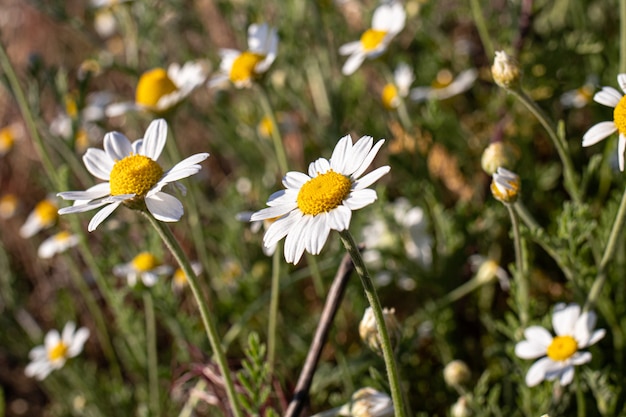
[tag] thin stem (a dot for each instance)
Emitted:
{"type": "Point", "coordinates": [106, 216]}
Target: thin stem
{"type": "Point", "coordinates": [318, 283]}
{"type": "Point", "coordinates": [479, 21]}
{"type": "Point", "coordinates": [372, 297]}
{"type": "Point", "coordinates": [622, 37]}
{"type": "Point", "coordinates": [403, 115]}
{"type": "Point", "coordinates": [558, 141]}
{"type": "Point", "coordinates": [273, 316]}
{"type": "Point", "coordinates": [520, 266]}
{"type": "Point", "coordinates": [170, 241]}
{"type": "Point", "coordinates": [333, 300]}
{"type": "Point", "coordinates": [275, 131]}
{"type": "Point", "coordinates": [153, 367]}
{"type": "Point", "coordinates": [609, 251]}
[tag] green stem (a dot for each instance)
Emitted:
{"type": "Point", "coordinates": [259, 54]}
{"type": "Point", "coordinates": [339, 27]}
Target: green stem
{"type": "Point", "coordinates": [372, 297]}
{"type": "Point", "coordinates": [153, 367]}
{"type": "Point", "coordinates": [609, 251]}
{"type": "Point", "coordinates": [275, 130]}
{"type": "Point", "coordinates": [521, 292]}
{"type": "Point", "coordinates": [318, 282]}
{"type": "Point", "coordinates": [403, 115]}
{"type": "Point", "coordinates": [211, 331]}
{"type": "Point", "coordinates": [273, 316]}
{"type": "Point", "coordinates": [558, 141]}
{"type": "Point", "coordinates": [622, 37]}
{"type": "Point", "coordinates": [483, 33]}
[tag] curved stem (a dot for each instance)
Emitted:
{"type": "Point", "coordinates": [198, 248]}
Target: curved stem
{"type": "Point", "coordinates": [479, 21]}
{"type": "Point", "coordinates": [273, 316]}
{"type": "Point", "coordinates": [609, 251]}
{"type": "Point", "coordinates": [372, 297]}
{"type": "Point", "coordinates": [152, 365]}
{"type": "Point", "coordinates": [520, 266]}
{"type": "Point", "coordinates": [170, 241]}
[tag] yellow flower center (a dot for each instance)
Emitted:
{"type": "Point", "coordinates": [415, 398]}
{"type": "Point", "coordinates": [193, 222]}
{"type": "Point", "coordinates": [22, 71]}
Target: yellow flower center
{"type": "Point", "coordinates": [46, 212]}
{"type": "Point", "coordinates": [390, 96]}
{"type": "Point", "coordinates": [562, 348]}
{"type": "Point", "coordinates": [243, 67]}
{"type": "Point", "coordinates": [323, 193]}
{"type": "Point", "coordinates": [619, 116]}
{"type": "Point", "coordinates": [70, 107]}
{"type": "Point", "coordinates": [180, 279]}
{"type": "Point", "coordinates": [135, 174]}
{"type": "Point", "coordinates": [6, 140]}
{"type": "Point", "coordinates": [59, 351]}
{"type": "Point", "coordinates": [507, 195]}
{"type": "Point", "coordinates": [8, 205]}
{"type": "Point", "coordinates": [153, 85]}
{"type": "Point", "coordinates": [371, 38]}
{"type": "Point", "coordinates": [444, 78]}
{"type": "Point", "coordinates": [62, 236]}
{"type": "Point", "coordinates": [144, 262]}
{"type": "Point", "coordinates": [266, 127]}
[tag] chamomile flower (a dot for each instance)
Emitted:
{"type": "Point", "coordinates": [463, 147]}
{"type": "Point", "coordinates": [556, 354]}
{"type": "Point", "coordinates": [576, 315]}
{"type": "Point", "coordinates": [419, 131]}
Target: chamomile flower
{"type": "Point", "coordinates": [312, 205]}
{"type": "Point", "coordinates": [559, 354]}
{"type": "Point", "coordinates": [445, 86]}
{"type": "Point", "coordinates": [610, 97]}
{"type": "Point", "coordinates": [7, 139]}
{"type": "Point", "coordinates": [144, 266]}
{"type": "Point", "coordinates": [393, 92]}
{"type": "Point", "coordinates": [134, 177]}
{"type": "Point", "coordinates": [8, 205]}
{"type": "Point", "coordinates": [505, 185]}
{"type": "Point", "coordinates": [367, 402]}
{"type": "Point", "coordinates": [43, 216]}
{"type": "Point", "coordinates": [581, 96]}
{"type": "Point", "coordinates": [57, 243]}
{"type": "Point", "coordinates": [388, 20]}
{"type": "Point", "coordinates": [241, 68]}
{"type": "Point", "coordinates": [179, 279]}
{"type": "Point", "coordinates": [160, 90]}
{"type": "Point", "coordinates": [56, 350]}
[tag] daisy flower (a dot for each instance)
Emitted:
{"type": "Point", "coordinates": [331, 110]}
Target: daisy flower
{"type": "Point", "coordinates": [387, 21]}
{"type": "Point", "coordinates": [159, 91]}
{"type": "Point", "coordinates": [134, 177]}
{"type": "Point", "coordinates": [56, 350]}
{"type": "Point", "coordinates": [487, 269]}
{"type": "Point", "coordinates": [43, 216]}
{"type": "Point", "coordinates": [8, 205]}
{"type": "Point", "coordinates": [393, 92]}
{"type": "Point", "coordinates": [241, 68]}
{"type": "Point", "coordinates": [505, 185]}
{"type": "Point", "coordinates": [57, 243]}
{"type": "Point", "coordinates": [7, 139]}
{"type": "Point", "coordinates": [445, 86]}
{"type": "Point", "coordinates": [559, 354]}
{"type": "Point", "coordinates": [312, 205]}
{"type": "Point", "coordinates": [179, 279]}
{"type": "Point", "coordinates": [610, 97]}
{"type": "Point", "coordinates": [367, 402]}
{"type": "Point", "coordinates": [144, 266]}
{"type": "Point", "coordinates": [581, 96]}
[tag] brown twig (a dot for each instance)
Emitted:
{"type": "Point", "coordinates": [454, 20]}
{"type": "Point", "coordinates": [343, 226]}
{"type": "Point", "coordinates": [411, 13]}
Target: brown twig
{"type": "Point", "coordinates": [335, 295]}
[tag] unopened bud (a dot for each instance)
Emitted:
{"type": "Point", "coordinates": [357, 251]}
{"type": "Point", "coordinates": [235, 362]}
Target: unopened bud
{"type": "Point", "coordinates": [456, 373]}
{"type": "Point", "coordinates": [498, 154]}
{"type": "Point", "coordinates": [505, 185]}
{"type": "Point", "coordinates": [367, 402]}
{"type": "Point", "coordinates": [369, 332]}
{"type": "Point", "coordinates": [505, 70]}
{"type": "Point", "coordinates": [461, 408]}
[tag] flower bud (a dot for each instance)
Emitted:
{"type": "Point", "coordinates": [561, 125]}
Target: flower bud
{"type": "Point", "coordinates": [456, 373]}
{"type": "Point", "coordinates": [505, 185]}
{"type": "Point", "coordinates": [367, 402]}
{"type": "Point", "coordinates": [505, 70]}
{"type": "Point", "coordinates": [498, 154]}
{"type": "Point", "coordinates": [461, 408]}
{"type": "Point", "coordinates": [369, 332]}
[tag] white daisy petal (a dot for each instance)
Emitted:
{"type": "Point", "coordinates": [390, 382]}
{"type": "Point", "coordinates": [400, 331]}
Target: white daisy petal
{"type": "Point", "coordinates": [598, 132]}
{"type": "Point", "coordinates": [320, 166]}
{"type": "Point", "coordinates": [78, 341]}
{"type": "Point", "coordinates": [567, 376]}
{"type": "Point", "coordinates": [342, 150]}
{"type": "Point", "coordinates": [98, 163]}
{"type": "Point", "coordinates": [272, 212]}
{"type": "Point", "coordinates": [349, 48]}
{"type": "Point", "coordinates": [607, 96]}
{"type": "Point", "coordinates": [339, 218]}
{"type": "Point", "coordinates": [596, 337]}
{"type": "Point", "coordinates": [359, 199]}
{"type": "Point", "coordinates": [353, 63]}
{"type": "Point", "coordinates": [295, 179]}
{"type": "Point", "coordinates": [294, 242]}
{"type": "Point", "coordinates": [359, 155]}
{"type": "Point", "coordinates": [117, 146]}
{"type": "Point", "coordinates": [580, 358]}
{"type": "Point", "coordinates": [537, 371]}
{"type": "Point", "coordinates": [368, 159]}
{"type": "Point", "coordinates": [97, 191]}
{"type": "Point", "coordinates": [621, 147]}
{"type": "Point", "coordinates": [154, 139]}
{"type": "Point", "coordinates": [318, 234]}
{"type": "Point", "coordinates": [621, 80]}
{"type": "Point", "coordinates": [538, 335]}
{"type": "Point", "coordinates": [280, 228]}
{"type": "Point", "coordinates": [529, 350]}
{"type": "Point", "coordinates": [370, 178]}
{"type": "Point", "coordinates": [564, 319]}
{"type": "Point", "coordinates": [164, 207]}
{"type": "Point", "coordinates": [101, 216]}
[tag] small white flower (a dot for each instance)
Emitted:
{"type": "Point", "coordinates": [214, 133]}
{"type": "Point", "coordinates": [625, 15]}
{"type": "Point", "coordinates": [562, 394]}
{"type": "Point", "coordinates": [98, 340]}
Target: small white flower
{"type": "Point", "coordinates": [505, 185]}
{"type": "Point", "coordinates": [159, 91]}
{"type": "Point", "coordinates": [388, 20]}
{"type": "Point", "coordinates": [56, 243]}
{"type": "Point", "coordinates": [133, 176]}
{"type": "Point", "coordinates": [368, 329]}
{"type": "Point", "coordinates": [241, 68]}
{"type": "Point", "coordinates": [57, 348]}
{"type": "Point", "coordinates": [392, 93]}
{"type": "Point", "coordinates": [581, 96]}
{"type": "Point", "coordinates": [312, 205]}
{"type": "Point", "coordinates": [610, 97]}
{"type": "Point", "coordinates": [43, 216]}
{"type": "Point", "coordinates": [367, 402]}
{"type": "Point", "coordinates": [446, 86]}
{"type": "Point", "coordinates": [505, 70]}
{"type": "Point", "coordinates": [559, 354]}
{"type": "Point", "coordinates": [144, 266]}
{"type": "Point", "coordinates": [487, 270]}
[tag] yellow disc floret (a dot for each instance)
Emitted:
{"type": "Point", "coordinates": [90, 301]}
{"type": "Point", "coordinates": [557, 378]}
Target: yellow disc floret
{"type": "Point", "coordinates": [135, 174]}
{"type": "Point", "coordinates": [144, 262]}
{"type": "Point", "coordinates": [58, 352]}
{"type": "Point", "coordinates": [323, 193]}
{"type": "Point", "coordinates": [562, 348]}
{"type": "Point", "coordinates": [371, 38]}
{"type": "Point", "coordinates": [619, 116]}
{"type": "Point", "coordinates": [46, 212]}
{"type": "Point", "coordinates": [153, 85]}
{"type": "Point", "coordinates": [6, 140]}
{"type": "Point", "coordinates": [390, 96]}
{"type": "Point", "coordinates": [243, 66]}
{"type": "Point", "coordinates": [62, 236]}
